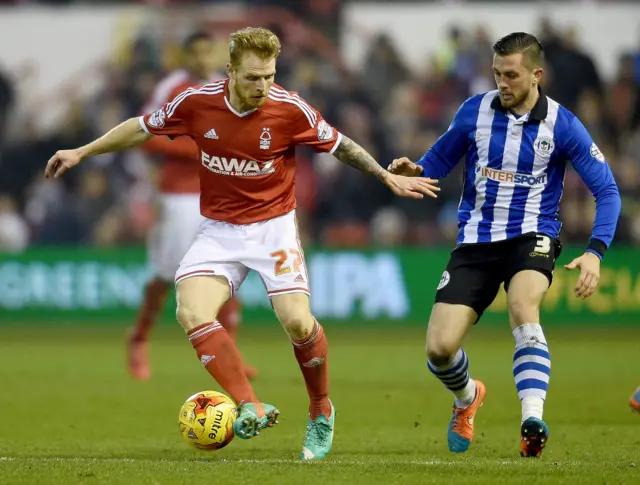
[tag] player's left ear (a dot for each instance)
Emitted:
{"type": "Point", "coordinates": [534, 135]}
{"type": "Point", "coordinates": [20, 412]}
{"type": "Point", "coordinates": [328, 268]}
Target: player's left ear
{"type": "Point", "coordinates": [231, 73]}
{"type": "Point", "coordinates": [537, 76]}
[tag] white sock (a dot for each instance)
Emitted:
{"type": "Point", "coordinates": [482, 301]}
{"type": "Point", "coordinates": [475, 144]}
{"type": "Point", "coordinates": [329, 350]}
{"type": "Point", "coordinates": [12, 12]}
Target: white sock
{"type": "Point", "coordinates": [531, 368]}
{"type": "Point", "coordinates": [532, 407]}
{"type": "Point", "coordinates": [465, 396]}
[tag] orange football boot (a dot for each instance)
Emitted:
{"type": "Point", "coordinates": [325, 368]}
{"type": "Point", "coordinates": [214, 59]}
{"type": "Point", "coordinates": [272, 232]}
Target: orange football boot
{"type": "Point", "coordinates": [460, 433]}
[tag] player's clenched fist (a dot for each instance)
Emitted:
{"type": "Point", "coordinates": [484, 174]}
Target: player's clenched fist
{"type": "Point", "coordinates": [62, 161]}
{"type": "Point", "coordinates": [404, 166]}
{"type": "Point", "coordinates": [414, 188]}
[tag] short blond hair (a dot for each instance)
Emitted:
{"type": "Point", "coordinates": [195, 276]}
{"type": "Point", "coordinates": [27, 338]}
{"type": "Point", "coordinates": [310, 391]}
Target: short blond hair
{"type": "Point", "coordinates": [262, 42]}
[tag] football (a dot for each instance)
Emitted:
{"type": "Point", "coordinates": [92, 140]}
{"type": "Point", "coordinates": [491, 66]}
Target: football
{"type": "Point", "coordinates": [206, 420]}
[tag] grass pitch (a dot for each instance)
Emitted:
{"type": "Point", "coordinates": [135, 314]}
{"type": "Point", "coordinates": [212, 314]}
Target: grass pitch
{"type": "Point", "coordinates": [71, 415]}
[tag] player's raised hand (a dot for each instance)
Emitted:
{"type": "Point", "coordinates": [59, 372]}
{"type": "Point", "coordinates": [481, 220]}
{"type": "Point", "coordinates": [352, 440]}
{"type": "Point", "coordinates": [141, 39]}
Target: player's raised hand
{"type": "Point", "coordinates": [404, 166]}
{"type": "Point", "coordinates": [589, 265]}
{"type": "Point", "coordinates": [62, 161]}
{"type": "Point", "coordinates": [413, 188]}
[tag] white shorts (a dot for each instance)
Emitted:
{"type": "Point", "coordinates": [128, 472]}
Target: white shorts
{"type": "Point", "coordinates": [178, 222]}
{"type": "Point", "coordinates": [271, 248]}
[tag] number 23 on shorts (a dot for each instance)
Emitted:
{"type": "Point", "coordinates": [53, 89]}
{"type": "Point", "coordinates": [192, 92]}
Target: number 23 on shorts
{"type": "Point", "coordinates": [281, 265]}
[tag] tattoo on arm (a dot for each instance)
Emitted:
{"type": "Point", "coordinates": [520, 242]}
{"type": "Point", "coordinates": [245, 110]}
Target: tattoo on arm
{"type": "Point", "coordinates": [352, 154]}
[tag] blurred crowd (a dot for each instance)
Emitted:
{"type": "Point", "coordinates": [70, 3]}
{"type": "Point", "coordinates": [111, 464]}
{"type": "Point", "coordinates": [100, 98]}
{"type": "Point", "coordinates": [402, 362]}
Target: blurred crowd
{"type": "Point", "coordinates": [390, 107]}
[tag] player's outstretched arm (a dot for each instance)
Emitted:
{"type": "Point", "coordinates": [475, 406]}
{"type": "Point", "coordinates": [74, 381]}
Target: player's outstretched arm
{"type": "Point", "coordinates": [352, 154]}
{"type": "Point", "coordinates": [592, 166]}
{"type": "Point", "coordinates": [126, 135]}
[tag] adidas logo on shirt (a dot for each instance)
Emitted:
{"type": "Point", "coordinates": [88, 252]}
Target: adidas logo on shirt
{"type": "Point", "coordinates": [211, 134]}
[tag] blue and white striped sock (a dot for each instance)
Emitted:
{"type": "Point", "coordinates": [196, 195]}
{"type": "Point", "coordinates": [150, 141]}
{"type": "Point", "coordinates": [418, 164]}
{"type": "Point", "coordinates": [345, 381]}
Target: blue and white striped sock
{"type": "Point", "coordinates": [531, 368]}
{"type": "Point", "coordinates": [455, 376]}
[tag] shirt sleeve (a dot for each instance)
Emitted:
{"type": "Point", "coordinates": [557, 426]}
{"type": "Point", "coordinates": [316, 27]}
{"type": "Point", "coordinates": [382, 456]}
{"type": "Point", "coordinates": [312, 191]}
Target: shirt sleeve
{"type": "Point", "coordinates": [449, 149]}
{"type": "Point", "coordinates": [310, 128]}
{"type": "Point", "coordinates": [591, 165]}
{"type": "Point", "coordinates": [172, 119]}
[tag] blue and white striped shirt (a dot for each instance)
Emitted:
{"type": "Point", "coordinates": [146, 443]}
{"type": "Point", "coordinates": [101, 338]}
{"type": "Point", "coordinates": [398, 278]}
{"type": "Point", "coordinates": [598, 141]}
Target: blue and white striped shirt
{"type": "Point", "coordinates": [514, 170]}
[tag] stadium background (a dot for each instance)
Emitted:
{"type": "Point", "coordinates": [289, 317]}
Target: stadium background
{"type": "Point", "coordinates": [390, 75]}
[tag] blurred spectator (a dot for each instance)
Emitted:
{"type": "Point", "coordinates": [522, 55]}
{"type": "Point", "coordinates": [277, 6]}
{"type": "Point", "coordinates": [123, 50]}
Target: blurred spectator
{"type": "Point", "coordinates": [389, 228]}
{"type": "Point", "coordinates": [14, 232]}
{"type": "Point", "coordinates": [624, 97]}
{"type": "Point", "coordinates": [383, 68]}
{"type": "Point", "coordinates": [6, 101]}
{"type": "Point", "coordinates": [572, 70]}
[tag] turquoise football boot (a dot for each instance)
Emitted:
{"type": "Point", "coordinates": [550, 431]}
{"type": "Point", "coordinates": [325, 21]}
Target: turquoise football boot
{"type": "Point", "coordinates": [248, 424]}
{"type": "Point", "coordinates": [319, 437]}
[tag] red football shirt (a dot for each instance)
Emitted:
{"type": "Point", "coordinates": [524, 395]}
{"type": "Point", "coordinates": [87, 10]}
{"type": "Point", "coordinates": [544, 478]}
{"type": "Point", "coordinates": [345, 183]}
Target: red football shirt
{"type": "Point", "coordinates": [247, 171]}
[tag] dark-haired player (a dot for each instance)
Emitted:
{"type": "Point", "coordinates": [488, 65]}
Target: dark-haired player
{"type": "Point", "coordinates": [516, 142]}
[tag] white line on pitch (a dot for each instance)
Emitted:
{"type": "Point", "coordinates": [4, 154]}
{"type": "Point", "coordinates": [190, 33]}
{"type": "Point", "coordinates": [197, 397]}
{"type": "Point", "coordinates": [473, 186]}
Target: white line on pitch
{"type": "Point", "coordinates": [464, 463]}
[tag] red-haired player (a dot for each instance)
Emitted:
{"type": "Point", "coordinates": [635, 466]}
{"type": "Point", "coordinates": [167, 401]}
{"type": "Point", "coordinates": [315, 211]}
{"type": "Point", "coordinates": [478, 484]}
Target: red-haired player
{"type": "Point", "coordinates": [247, 128]}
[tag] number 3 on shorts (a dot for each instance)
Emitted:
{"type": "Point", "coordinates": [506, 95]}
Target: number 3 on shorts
{"type": "Point", "coordinates": [280, 266]}
{"type": "Point", "coordinates": [543, 244]}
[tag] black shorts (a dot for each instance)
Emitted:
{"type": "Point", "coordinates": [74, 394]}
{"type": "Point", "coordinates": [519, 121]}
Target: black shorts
{"type": "Point", "coordinates": [475, 271]}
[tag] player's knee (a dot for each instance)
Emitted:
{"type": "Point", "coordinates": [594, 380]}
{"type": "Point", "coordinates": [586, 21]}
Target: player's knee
{"type": "Point", "coordinates": [298, 324]}
{"type": "Point", "coordinates": [185, 315]}
{"type": "Point", "coordinates": [189, 316]}
{"type": "Point", "coordinates": [523, 311]}
{"type": "Point", "coordinates": [439, 352]}
{"type": "Point", "coordinates": [294, 313]}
